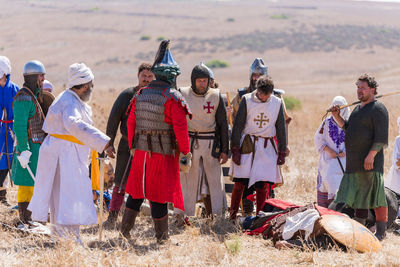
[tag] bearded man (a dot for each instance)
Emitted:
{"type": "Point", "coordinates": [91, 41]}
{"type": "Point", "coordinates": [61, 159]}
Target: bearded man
{"type": "Point", "coordinates": [209, 141]}
{"type": "Point", "coordinates": [118, 117]}
{"type": "Point", "coordinates": [255, 155]}
{"type": "Point", "coordinates": [62, 183]}
{"type": "Point", "coordinates": [158, 137]}
{"type": "Point", "coordinates": [28, 122]}
{"type": "Point", "coordinates": [8, 91]}
{"type": "Point", "coordinates": [362, 186]}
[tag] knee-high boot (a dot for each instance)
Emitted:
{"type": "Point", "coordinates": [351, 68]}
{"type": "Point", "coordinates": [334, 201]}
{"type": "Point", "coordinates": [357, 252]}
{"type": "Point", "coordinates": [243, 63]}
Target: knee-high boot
{"type": "Point", "coordinates": [235, 200]}
{"type": "Point", "coordinates": [261, 195]}
{"type": "Point", "coordinates": [117, 200]}
{"type": "Point", "coordinates": [128, 221]}
{"type": "Point", "coordinates": [161, 228]}
{"type": "Point", "coordinates": [207, 205]}
{"type": "Point", "coordinates": [24, 213]}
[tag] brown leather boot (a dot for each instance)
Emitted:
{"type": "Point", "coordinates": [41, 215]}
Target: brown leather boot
{"type": "Point", "coordinates": [128, 221]}
{"type": "Point", "coordinates": [161, 228]}
{"type": "Point", "coordinates": [109, 224]}
{"type": "Point", "coordinates": [207, 205]}
{"type": "Point", "coordinates": [237, 193]}
{"type": "Point", "coordinates": [24, 213]}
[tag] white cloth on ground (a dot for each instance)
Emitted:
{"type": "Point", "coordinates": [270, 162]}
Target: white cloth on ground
{"type": "Point", "coordinates": [5, 66]}
{"type": "Point", "coordinates": [301, 221]}
{"type": "Point", "coordinates": [62, 178]}
{"type": "Point", "coordinates": [79, 74]}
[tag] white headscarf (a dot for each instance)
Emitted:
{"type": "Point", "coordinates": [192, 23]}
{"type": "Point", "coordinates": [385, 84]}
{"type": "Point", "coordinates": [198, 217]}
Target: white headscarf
{"type": "Point", "coordinates": [340, 100]}
{"type": "Point", "coordinates": [79, 74]}
{"type": "Point", "coordinates": [5, 66]}
{"type": "Point", "coordinates": [47, 86]}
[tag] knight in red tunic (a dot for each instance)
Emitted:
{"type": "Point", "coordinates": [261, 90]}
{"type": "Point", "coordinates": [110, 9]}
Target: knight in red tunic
{"type": "Point", "coordinates": [159, 141]}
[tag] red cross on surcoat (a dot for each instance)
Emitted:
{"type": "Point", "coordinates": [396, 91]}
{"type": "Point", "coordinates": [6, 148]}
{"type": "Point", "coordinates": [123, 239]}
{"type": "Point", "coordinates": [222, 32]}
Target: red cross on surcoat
{"type": "Point", "coordinates": [208, 107]}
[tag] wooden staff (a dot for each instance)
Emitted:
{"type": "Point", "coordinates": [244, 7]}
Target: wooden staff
{"type": "Point", "coordinates": [358, 102]}
{"type": "Point", "coordinates": [101, 197]}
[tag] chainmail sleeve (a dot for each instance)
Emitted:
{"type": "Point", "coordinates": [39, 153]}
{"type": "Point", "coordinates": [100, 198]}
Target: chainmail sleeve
{"type": "Point", "coordinates": [240, 123]}
{"type": "Point", "coordinates": [221, 120]}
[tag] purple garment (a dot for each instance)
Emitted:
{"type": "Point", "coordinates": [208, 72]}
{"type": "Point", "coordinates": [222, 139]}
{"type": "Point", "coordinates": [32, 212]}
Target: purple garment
{"type": "Point", "coordinates": [336, 133]}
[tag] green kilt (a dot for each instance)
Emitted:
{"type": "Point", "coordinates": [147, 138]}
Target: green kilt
{"type": "Point", "coordinates": [362, 190]}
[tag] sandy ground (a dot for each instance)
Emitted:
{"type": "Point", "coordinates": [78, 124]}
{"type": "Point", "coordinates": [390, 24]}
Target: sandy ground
{"type": "Point", "coordinates": [314, 50]}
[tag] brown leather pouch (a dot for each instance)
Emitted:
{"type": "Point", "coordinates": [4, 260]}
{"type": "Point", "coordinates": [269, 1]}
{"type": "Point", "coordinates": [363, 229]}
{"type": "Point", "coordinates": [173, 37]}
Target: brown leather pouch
{"type": "Point", "coordinates": [247, 145]}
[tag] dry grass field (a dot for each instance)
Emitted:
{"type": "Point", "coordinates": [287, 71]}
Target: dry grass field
{"type": "Point", "coordinates": [314, 49]}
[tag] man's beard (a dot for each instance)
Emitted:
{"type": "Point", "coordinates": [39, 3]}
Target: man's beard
{"type": "Point", "coordinates": [87, 95]}
{"type": "Point", "coordinates": [144, 84]}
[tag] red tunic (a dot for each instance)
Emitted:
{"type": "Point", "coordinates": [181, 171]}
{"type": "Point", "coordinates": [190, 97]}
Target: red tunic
{"type": "Point", "coordinates": [157, 178]}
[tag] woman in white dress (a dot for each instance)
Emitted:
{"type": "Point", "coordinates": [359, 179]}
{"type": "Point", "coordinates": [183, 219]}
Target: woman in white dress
{"type": "Point", "coordinates": [329, 141]}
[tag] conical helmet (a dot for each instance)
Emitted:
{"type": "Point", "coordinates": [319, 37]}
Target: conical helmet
{"type": "Point", "coordinates": [259, 67]}
{"type": "Point", "coordinates": [165, 67]}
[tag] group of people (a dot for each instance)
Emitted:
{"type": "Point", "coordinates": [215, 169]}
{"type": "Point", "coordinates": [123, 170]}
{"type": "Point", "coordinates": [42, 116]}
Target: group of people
{"type": "Point", "coordinates": [174, 141]}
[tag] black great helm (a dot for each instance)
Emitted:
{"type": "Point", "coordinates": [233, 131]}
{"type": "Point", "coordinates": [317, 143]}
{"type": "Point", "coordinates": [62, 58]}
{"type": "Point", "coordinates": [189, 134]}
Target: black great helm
{"type": "Point", "coordinates": [198, 72]}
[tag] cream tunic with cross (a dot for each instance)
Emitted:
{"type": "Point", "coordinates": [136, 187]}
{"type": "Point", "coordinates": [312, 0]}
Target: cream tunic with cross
{"type": "Point", "coordinates": [260, 122]}
{"type": "Point", "coordinates": [203, 108]}
{"type": "Point", "coordinates": [204, 166]}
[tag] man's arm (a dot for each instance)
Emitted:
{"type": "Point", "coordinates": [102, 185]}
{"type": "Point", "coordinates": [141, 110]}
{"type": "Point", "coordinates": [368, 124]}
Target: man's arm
{"type": "Point", "coordinates": [221, 120]}
{"type": "Point", "coordinates": [380, 122]}
{"type": "Point", "coordinates": [115, 117]}
{"type": "Point", "coordinates": [280, 126]}
{"type": "Point", "coordinates": [239, 124]}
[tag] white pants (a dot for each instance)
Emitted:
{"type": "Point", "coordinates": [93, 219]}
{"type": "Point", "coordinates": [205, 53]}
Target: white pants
{"type": "Point", "coordinates": [202, 161]}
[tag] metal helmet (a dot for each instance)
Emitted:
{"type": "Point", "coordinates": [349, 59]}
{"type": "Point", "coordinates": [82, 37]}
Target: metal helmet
{"type": "Point", "coordinates": [209, 70]}
{"type": "Point", "coordinates": [259, 67]}
{"type": "Point", "coordinates": [165, 67]}
{"type": "Point", "coordinates": [34, 67]}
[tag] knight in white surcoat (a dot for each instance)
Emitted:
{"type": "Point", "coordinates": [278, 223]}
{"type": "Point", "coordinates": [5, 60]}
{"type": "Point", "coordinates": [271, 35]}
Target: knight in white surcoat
{"type": "Point", "coordinates": [209, 140]}
{"type": "Point", "coordinates": [256, 155]}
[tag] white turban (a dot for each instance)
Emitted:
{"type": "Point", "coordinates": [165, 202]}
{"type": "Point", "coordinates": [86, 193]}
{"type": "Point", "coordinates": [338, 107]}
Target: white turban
{"type": "Point", "coordinates": [47, 85]}
{"type": "Point", "coordinates": [79, 74]}
{"type": "Point", "coordinates": [340, 100]}
{"type": "Point", "coordinates": [5, 66]}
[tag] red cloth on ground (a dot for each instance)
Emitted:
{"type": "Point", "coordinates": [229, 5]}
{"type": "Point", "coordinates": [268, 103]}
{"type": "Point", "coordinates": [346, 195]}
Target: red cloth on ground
{"type": "Point", "coordinates": [157, 178]}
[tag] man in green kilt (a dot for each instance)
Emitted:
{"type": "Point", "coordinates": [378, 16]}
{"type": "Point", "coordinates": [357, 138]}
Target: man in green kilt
{"type": "Point", "coordinates": [362, 187]}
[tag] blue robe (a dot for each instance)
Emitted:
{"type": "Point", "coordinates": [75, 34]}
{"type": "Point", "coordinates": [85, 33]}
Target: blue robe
{"type": "Point", "coordinates": [7, 94]}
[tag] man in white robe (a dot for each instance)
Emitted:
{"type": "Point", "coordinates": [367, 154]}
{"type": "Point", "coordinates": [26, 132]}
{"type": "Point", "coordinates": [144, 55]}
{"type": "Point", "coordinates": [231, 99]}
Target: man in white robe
{"type": "Point", "coordinates": [255, 153]}
{"type": "Point", "coordinates": [62, 183]}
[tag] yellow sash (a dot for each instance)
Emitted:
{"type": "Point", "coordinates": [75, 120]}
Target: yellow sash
{"type": "Point", "coordinates": [95, 169]}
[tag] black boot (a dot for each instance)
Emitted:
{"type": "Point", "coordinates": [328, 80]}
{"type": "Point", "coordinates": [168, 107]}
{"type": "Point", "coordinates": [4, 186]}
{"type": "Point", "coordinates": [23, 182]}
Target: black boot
{"type": "Point", "coordinates": [128, 221]}
{"type": "Point", "coordinates": [248, 207]}
{"type": "Point", "coordinates": [161, 228]}
{"type": "Point", "coordinates": [380, 230]}
{"type": "Point", "coordinates": [3, 199]}
{"type": "Point", "coordinates": [109, 224]}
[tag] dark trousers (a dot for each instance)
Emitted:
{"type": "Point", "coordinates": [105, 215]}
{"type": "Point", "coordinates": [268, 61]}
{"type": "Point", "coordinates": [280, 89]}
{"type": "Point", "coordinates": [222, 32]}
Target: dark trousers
{"type": "Point", "coordinates": [122, 161]}
{"type": "Point", "coordinates": [3, 175]}
{"type": "Point", "coordinates": [158, 210]}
